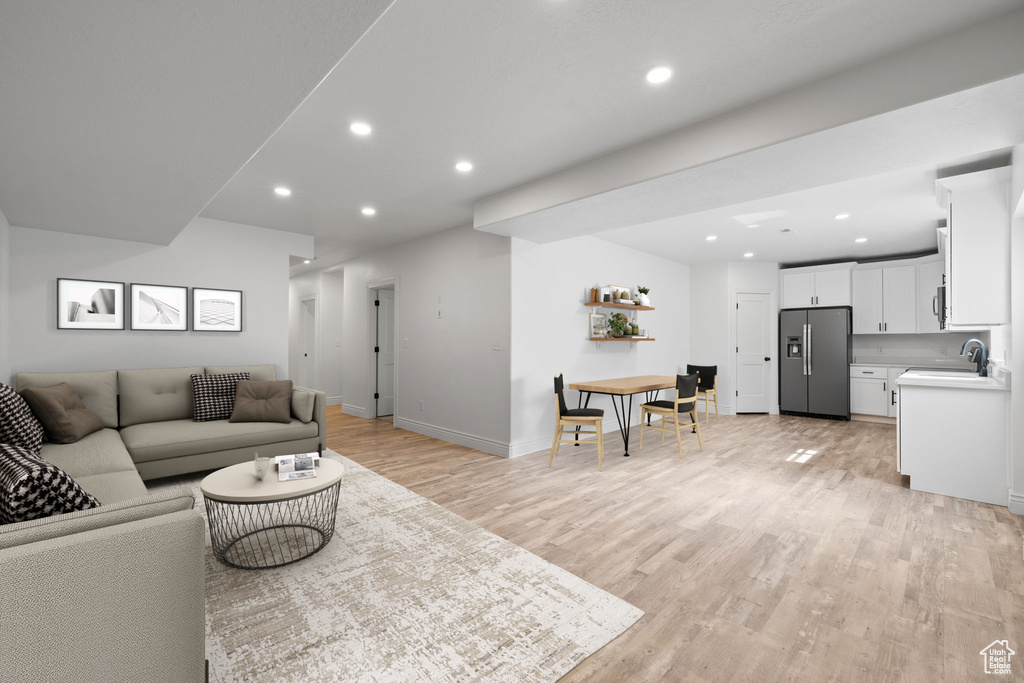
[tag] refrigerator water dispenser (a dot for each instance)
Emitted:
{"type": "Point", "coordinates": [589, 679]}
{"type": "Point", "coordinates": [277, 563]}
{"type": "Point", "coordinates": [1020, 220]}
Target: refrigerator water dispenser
{"type": "Point", "coordinates": [794, 347]}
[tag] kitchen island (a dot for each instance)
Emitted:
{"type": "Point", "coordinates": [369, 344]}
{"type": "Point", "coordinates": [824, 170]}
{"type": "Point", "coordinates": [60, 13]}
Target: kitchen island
{"type": "Point", "coordinates": [952, 434]}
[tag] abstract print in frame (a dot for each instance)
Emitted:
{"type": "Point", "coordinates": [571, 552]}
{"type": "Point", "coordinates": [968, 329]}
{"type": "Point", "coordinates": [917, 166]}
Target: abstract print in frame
{"type": "Point", "coordinates": [216, 310]}
{"type": "Point", "coordinates": [89, 305]}
{"type": "Point", "coordinates": [159, 307]}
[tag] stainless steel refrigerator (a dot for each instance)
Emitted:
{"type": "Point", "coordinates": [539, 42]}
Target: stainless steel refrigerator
{"type": "Point", "coordinates": [815, 348]}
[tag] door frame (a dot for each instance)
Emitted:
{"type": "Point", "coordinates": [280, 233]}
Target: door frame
{"type": "Point", "coordinates": [371, 337]}
{"type": "Point", "coordinates": [773, 334]}
{"type": "Point", "coordinates": [315, 298]}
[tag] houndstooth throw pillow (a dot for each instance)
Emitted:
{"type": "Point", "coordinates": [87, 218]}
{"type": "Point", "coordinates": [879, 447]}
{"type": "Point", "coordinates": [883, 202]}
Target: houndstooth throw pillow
{"type": "Point", "coordinates": [31, 488]}
{"type": "Point", "coordinates": [18, 424]}
{"type": "Point", "coordinates": [214, 395]}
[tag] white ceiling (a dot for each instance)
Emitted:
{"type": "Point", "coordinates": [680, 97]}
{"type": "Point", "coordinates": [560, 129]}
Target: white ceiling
{"type": "Point", "coordinates": [124, 119]}
{"type": "Point", "coordinates": [524, 89]}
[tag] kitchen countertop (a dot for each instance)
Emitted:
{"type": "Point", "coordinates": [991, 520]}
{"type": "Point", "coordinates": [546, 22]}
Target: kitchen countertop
{"type": "Point", "coordinates": [959, 380]}
{"type": "Point", "coordinates": [950, 362]}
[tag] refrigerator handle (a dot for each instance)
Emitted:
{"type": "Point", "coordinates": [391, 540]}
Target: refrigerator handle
{"type": "Point", "coordinates": [803, 358]}
{"type": "Point", "coordinates": [807, 349]}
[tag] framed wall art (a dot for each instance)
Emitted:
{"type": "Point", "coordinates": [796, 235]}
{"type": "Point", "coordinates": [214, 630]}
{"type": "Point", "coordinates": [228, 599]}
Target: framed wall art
{"type": "Point", "coordinates": [89, 305]}
{"type": "Point", "coordinates": [598, 325]}
{"type": "Point", "coordinates": [159, 307]}
{"type": "Point", "coordinates": [216, 310]}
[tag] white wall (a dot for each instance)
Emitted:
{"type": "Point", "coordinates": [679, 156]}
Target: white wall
{"type": "Point", "coordinates": [207, 253]}
{"type": "Point", "coordinates": [327, 289]}
{"type": "Point", "coordinates": [550, 328]}
{"type": "Point", "coordinates": [5, 271]}
{"type": "Point", "coordinates": [713, 290]}
{"type": "Point", "coordinates": [1016, 348]}
{"type": "Point", "coordinates": [445, 365]}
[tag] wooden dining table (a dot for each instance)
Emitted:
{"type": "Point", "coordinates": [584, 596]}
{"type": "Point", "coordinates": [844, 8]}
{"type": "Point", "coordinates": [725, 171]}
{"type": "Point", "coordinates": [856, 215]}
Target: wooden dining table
{"type": "Point", "coordinates": [622, 387]}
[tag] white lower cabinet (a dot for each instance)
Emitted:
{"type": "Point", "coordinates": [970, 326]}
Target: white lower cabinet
{"type": "Point", "coordinates": [893, 398]}
{"type": "Point", "coordinates": [869, 390]}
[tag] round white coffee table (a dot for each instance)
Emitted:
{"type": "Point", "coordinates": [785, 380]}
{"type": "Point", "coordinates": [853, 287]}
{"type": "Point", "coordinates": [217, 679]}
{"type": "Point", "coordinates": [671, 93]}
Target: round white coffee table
{"type": "Point", "coordinates": [258, 524]}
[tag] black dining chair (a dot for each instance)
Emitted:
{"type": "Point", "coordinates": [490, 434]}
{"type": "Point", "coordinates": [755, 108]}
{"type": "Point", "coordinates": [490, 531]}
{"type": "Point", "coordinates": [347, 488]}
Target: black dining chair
{"type": "Point", "coordinates": [684, 403]}
{"type": "Point", "coordinates": [576, 418]}
{"type": "Point", "coordinates": [707, 386]}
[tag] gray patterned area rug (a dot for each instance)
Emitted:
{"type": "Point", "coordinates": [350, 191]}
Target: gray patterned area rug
{"type": "Point", "coordinates": [405, 591]}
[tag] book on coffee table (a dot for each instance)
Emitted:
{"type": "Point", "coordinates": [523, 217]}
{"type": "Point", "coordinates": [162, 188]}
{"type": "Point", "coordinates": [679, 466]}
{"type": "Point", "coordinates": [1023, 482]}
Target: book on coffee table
{"type": "Point", "coordinates": [291, 467]}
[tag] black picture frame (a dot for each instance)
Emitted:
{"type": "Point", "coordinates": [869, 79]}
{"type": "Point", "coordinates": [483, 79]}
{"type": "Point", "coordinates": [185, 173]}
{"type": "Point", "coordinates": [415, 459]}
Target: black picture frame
{"type": "Point", "coordinates": [158, 307]}
{"type": "Point", "coordinates": [90, 304]}
{"type": "Point", "coordinates": [216, 310]}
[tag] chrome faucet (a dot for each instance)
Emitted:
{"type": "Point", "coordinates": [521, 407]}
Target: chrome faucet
{"type": "Point", "coordinates": [976, 355]}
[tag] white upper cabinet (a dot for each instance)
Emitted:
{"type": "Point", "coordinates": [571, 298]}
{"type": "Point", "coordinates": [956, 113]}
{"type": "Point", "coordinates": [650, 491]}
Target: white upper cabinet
{"type": "Point", "coordinates": [885, 300]}
{"type": "Point", "coordinates": [867, 301]}
{"type": "Point", "coordinates": [816, 287]}
{"type": "Point", "coordinates": [978, 221]}
{"type": "Point", "coordinates": [929, 279]}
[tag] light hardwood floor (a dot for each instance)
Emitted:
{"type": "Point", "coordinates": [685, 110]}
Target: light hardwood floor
{"type": "Point", "coordinates": [750, 565]}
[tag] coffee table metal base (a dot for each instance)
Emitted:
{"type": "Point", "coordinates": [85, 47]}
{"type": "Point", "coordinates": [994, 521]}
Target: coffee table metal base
{"type": "Point", "coordinates": [267, 534]}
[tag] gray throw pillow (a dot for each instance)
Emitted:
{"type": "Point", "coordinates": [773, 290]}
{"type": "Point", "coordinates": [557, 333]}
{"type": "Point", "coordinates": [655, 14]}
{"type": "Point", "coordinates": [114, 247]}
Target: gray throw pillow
{"type": "Point", "coordinates": [18, 426]}
{"type": "Point", "coordinates": [64, 417]}
{"type": "Point", "coordinates": [31, 488]}
{"type": "Point", "coordinates": [214, 395]}
{"type": "Point", "coordinates": [263, 401]}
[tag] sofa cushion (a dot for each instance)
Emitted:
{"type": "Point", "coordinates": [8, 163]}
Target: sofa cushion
{"type": "Point", "coordinates": [98, 390]}
{"type": "Point", "coordinates": [101, 452]}
{"type": "Point", "coordinates": [64, 417]}
{"type": "Point", "coordinates": [159, 440]}
{"type": "Point", "coordinates": [156, 395]}
{"type": "Point", "coordinates": [260, 373]}
{"type": "Point", "coordinates": [161, 502]}
{"type": "Point", "coordinates": [262, 401]}
{"type": "Point", "coordinates": [215, 395]}
{"type": "Point", "coordinates": [18, 425]}
{"type": "Point", "coordinates": [31, 488]}
{"type": "Point", "coordinates": [303, 403]}
{"type": "Point", "coordinates": [113, 487]}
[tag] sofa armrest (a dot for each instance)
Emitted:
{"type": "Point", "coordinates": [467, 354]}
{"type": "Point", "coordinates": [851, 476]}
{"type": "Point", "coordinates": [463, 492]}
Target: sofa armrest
{"type": "Point", "coordinates": [120, 603]}
{"type": "Point", "coordinates": [319, 414]}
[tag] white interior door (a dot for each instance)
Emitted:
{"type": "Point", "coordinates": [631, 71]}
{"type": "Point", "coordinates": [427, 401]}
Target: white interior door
{"type": "Point", "coordinates": [754, 351]}
{"type": "Point", "coordinates": [309, 343]}
{"type": "Point", "coordinates": [386, 355]}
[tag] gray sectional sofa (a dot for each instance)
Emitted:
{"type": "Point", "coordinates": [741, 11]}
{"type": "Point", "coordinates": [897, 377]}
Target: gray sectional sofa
{"type": "Point", "coordinates": [118, 593]}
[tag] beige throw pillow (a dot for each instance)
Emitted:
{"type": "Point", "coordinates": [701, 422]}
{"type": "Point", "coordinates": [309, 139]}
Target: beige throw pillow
{"type": "Point", "coordinates": [257, 401]}
{"type": "Point", "coordinates": [64, 417]}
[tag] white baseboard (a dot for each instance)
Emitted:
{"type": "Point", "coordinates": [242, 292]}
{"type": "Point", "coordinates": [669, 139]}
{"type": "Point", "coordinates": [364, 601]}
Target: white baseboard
{"type": "Point", "coordinates": [334, 401]}
{"type": "Point", "coordinates": [1016, 503]}
{"type": "Point", "coordinates": [454, 436]}
{"type": "Point", "coordinates": [358, 411]}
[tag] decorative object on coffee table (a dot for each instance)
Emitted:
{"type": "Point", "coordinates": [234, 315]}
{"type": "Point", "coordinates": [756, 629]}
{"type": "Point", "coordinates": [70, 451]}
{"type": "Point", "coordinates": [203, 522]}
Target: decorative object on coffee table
{"type": "Point", "coordinates": [259, 524]}
{"type": "Point", "coordinates": [216, 310]}
{"type": "Point", "coordinates": [89, 305]}
{"type": "Point", "coordinates": [159, 307]}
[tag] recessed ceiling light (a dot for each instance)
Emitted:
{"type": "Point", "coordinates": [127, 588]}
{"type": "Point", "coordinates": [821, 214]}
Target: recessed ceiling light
{"type": "Point", "coordinates": [754, 225]}
{"type": "Point", "coordinates": [749, 254]}
{"type": "Point", "coordinates": [659, 74]}
{"type": "Point", "coordinates": [360, 128]}
{"type": "Point", "coordinates": [861, 239]}
{"type": "Point", "coordinates": [306, 261]}
{"type": "Point", "coordinates": [369, 211]}
{"type": "Point", "coordinates": [282, 191]}
{"type": "Point", "coordinates": [711, 238]}
{"type": "Point", "coordinates": [463, 167]}
{"type": "Point", "coordinates": [842, 216]}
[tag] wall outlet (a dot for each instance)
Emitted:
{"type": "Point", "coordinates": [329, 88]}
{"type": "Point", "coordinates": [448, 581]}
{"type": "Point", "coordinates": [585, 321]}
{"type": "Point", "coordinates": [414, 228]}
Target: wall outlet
{"type": "Point", "coordinates": [421, 405]}
{"type": "Point", "coordinates": [942, 351]}
{"type": "Point", "coordinates": [405, 342]}
{"type": "Point", "coordinates": [496, 345]}
{"type": "Point", "coordinates": [880, 351]}
{"type": "Point", "coordinates": [337, 343]}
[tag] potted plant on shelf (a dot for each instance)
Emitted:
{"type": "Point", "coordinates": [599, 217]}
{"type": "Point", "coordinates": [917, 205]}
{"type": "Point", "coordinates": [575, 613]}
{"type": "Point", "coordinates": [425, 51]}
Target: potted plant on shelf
{"type": "Point", "coordinates": [644, 299]}
{"type": "Point", "coordinates": [618, 325]}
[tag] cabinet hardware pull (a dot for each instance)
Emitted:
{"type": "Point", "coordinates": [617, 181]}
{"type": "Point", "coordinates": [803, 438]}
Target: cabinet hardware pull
{"type": "Point", "coordinates": [894, 397]}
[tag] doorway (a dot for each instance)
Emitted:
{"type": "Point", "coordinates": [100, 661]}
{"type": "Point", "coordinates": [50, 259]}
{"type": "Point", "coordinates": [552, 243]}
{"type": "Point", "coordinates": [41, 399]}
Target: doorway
{"type": "Point", "coordinates": [754, 346]}
{"type": "Point", "coordinates": [309, 343]}
{"type": "Point", "coordinates": [384, 352]}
